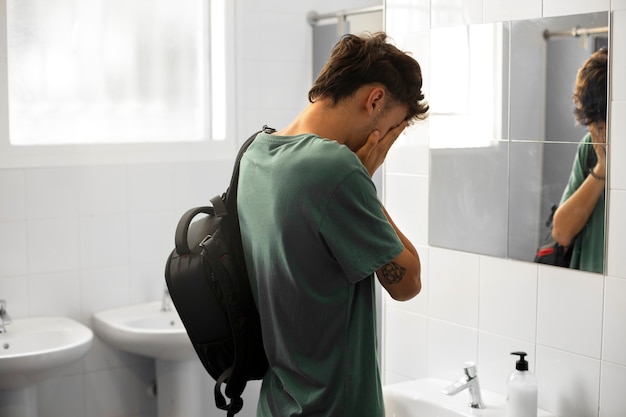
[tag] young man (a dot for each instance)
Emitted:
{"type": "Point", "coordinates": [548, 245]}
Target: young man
{"type": "Point", "coordinates": [314, 232]}
{"type": "Point", "coordinates": [581, 212]}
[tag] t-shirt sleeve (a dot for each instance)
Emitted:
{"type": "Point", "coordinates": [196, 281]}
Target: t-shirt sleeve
{"type": "Point", "coordinates": [577, 175]}
{"type": "Point", "coordinates": [356, 230]}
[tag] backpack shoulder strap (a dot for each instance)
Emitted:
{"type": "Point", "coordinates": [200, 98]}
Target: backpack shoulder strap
{"type": "Point", "coordinates": [246, 357]}
{"type": "Point", "coordinates": [230, 197]}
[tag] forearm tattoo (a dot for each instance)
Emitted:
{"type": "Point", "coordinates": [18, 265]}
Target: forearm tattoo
{"type": "Point", "coordinates": [392, 273]}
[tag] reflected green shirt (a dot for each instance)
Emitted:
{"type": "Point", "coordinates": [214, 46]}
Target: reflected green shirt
{"type": "Point", "coordinates": [588, 251]}
{"type": "Point", "coordinates": [314, 232]}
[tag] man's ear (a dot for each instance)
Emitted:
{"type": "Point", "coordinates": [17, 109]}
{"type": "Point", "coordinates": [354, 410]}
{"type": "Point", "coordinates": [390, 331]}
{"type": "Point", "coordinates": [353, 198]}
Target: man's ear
{"type": "Point", "coordinates": [375, 100]}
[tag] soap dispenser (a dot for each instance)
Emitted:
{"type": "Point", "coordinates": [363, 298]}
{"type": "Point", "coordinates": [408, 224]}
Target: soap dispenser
{"type": "Point", "coordinates": [521, 400]}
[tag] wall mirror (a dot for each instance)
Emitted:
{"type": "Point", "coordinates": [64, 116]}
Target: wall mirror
{"type": "Point", "coordinates": [503, 136]}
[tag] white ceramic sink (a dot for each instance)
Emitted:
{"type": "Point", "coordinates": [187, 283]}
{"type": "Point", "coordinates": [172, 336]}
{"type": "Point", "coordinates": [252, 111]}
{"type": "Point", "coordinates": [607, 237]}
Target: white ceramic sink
{"type": "Point", "coordinates": [423, 398]}
{"type": "Point", "coordinates": [145, 330]}
{"type": "Point", "coordinates": [34, 348]}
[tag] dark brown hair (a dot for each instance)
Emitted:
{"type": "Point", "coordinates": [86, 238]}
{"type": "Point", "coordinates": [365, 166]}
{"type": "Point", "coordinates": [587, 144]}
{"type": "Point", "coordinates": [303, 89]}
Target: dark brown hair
{"type": "Point", "coordinates": [590, 92]}
{"type": "Point", "coordinates": [359, 60]}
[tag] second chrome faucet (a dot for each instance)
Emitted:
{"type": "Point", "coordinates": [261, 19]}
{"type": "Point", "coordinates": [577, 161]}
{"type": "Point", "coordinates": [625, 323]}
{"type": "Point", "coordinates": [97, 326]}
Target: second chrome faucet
{"type": "Point", "coordinates": [470, 382]}
{"type": "Point", "coordinates": [4, 316]}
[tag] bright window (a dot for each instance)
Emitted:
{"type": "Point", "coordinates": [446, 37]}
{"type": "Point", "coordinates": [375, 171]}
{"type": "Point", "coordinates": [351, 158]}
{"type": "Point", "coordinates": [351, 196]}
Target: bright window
{"type": "Point", "coordinates": [466, 98]}
{"type": "Point", "coordinates": [116, 71]}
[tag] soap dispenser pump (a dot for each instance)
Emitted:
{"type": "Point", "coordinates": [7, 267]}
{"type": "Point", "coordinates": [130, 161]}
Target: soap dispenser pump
{"type": "Point", "coordinates": [522, 390]}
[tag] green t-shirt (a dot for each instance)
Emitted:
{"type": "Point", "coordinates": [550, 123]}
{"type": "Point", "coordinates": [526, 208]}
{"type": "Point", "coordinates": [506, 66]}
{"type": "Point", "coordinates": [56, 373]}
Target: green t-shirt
{"type": "Point", "coordinates": [588, 250]}
{"type": "Point", "coordinates": [314, 232]}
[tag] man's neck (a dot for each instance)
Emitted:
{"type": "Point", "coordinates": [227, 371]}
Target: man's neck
{"type": "Point", "coordinates": [320, 118]}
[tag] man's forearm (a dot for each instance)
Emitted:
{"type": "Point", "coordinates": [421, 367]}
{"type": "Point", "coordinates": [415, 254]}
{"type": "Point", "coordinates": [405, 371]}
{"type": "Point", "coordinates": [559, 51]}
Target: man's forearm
{"type": "Point", "coordinates": [405, 241]}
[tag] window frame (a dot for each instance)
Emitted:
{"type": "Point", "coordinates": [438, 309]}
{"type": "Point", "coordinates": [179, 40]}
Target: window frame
{"type": "Point", "coordinates": [12, 156]}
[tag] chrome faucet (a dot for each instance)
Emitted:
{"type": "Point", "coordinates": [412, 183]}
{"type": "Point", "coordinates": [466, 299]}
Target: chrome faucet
{"type": "Point", "coordinates": [469, 381]}
{"type": "Point", "coordinates": [166, 301]}
{"type": "Point", "coordinates": [4, 316]}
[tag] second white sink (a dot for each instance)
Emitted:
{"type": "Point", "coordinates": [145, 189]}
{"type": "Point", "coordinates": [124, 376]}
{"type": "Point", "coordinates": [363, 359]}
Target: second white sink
{"type": "Point", "coordinates": [145, 330]}
{"type": "Point", "coordinates": [423, 398]}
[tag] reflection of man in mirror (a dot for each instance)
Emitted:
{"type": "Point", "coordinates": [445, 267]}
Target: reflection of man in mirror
{"type": "Point", "coordinates": [579, 220]}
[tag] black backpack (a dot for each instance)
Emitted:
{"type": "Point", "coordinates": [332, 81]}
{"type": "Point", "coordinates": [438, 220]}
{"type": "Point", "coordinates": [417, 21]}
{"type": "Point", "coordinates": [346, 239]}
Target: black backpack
{"type": "Point", "coordinates": [207, 280]}
{"type": "Point", "coordinates": [551, 253]}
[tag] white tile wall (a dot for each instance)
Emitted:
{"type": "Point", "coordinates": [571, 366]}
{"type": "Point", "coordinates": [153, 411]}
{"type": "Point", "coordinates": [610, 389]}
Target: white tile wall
{"type": "Point", "coordinates": [561, 8]}
{"type": "Point", "coordinates": [508, 299]}
{"type": "Point", "coordinates": [612, 398]}
{"type": "Point", "coordinates": [446, 13]}
{"type": "Point", "coordinates": [96, 235]}
{"type": "Point", "coordinates": [103, 288]}
{"type": "Point", "coordinates": [614, 324]}
{"type": "Point", "coordinates": [53, 245]}
{"type": "Point", "coordinates": [13, 192]}
{"type": "Point", "coordinates": [569, 304]}
{"type": "Point", "coordinates": [413, 217]}
{"type": "Point", "coordinates": [55, 293]}
{"type": "Point", "coordinates": [617, 146]}
{"type": "Point", "coordinates": [14, 291]}
{"type": "Point", "coordinates": [616, 236]}
{"type": "Point", "coordinates": [103, 190]}
{"type": "Point", "coordinates": [13, 244]}
{"type": "Point", "coordinates": [454, 287]}
{"type": "Point", "coordinates": [499, 10]}
{"type": "Point", "coordinates": [190, 178]}
{"type": "Point", "coordinates": [568, 383]}
{"type": "Point", "coordinates": [150, 188]}
{"type": "Point", "coordinates": [618, 5]}
{"type": "Point", "coordinates": [103, 396]}
{"type": "Point", "coordinates": [52, 193]}
{"type": "Point", "coordinates": [64, 396]}
{"type": "Point", "coordinates": [618, 61]}
{"type": "Point", "coordinates": [413, 343]}
{"type": "Point", "coordinates": [407, 16]}
{"type": "Point", "coordinates": [478, 308]}
{"type": "Point", "coordinates": [450, 346]}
